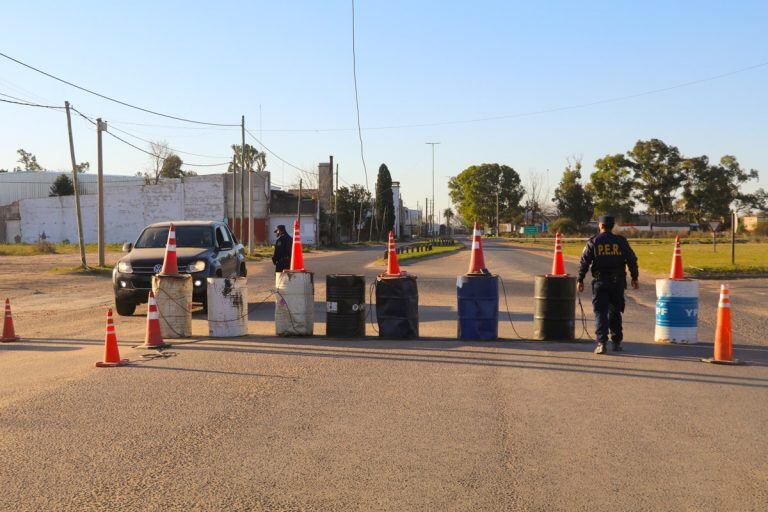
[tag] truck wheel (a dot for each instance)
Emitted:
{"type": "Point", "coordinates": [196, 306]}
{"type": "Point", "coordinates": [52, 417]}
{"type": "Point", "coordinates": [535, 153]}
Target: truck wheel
{"type": "Point", "coordinates": [125, 308]}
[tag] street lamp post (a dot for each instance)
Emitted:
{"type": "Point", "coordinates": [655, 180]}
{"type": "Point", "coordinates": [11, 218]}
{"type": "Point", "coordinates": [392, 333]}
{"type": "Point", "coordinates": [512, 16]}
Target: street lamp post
{"type": "Point", "coordinates": [432, 223]}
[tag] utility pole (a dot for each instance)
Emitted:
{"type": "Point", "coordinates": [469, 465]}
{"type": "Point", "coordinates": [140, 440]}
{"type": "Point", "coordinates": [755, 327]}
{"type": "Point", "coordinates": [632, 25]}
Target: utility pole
{"type": "Point", "coordinates": [336, 230]}
{"type": "Point", "coordinates": [100, 126]}
{"type": "Point", "coordinates": [77, 192]}
{"type": "Point", "coordinates": [734, 227]}
{"type": "Point", "coordinates": [427, 229]}
{"type": "Point", "coordinates": [234, 194]}
{"type": "Point", "coordinates": [250, 198]}
{"type": "Point", "coordinates": [298, 206]}
{"type": "Point", "coordinates": [333, 218]}
{"type": "Point", "coordinates": [242, 179]}
{"type": "Point", "coordinates": [433, 144]}
{"type": "Point", "coordinates": [497, 214]}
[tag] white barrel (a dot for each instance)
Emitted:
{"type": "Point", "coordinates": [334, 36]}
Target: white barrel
{"type": "Point", "coordinates": [294, 303]}
{"type": "Point", "coordinates": [227, 306]}
{"type": "Point", "coordinates": [174, 304]}
{"type": "Point", "coordinates": [677, 311]}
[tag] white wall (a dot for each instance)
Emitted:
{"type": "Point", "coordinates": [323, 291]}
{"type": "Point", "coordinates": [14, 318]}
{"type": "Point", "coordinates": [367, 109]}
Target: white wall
{"type": "Point", "coordinates": [308, 225]}
{"type": "Point", "coordinates": [127, 209]}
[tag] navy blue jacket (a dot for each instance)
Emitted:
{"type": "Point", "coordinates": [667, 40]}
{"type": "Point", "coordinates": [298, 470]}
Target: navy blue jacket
{"type": "Point", "coordinates": [607, 254]}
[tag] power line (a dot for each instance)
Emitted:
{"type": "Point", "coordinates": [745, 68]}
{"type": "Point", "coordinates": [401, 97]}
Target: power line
{"type": "Point", "coordinates": [143, 150]}
{"type": "Point", "coordinates": [533, 112]}
{"type": "Point", "coordinates": [112, 127]}
{"type": "Point", "coordinates": [28, 104]}
{"type": "Point", "coordinates": [357, 98]}
{"type": "Point", "coordinates": [278, 156]}
{"type": "Point", "coordinates": [110, 98]}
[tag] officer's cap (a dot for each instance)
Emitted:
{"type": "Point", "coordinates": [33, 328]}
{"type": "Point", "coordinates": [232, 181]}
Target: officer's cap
{"type": "Point", "coordinates": [608, 220]}
{"type": "Point", "coordinates": [280, 227]}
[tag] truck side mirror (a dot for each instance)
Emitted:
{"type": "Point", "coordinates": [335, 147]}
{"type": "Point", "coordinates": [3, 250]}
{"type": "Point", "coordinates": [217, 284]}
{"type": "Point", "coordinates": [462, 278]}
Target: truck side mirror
{"type": "Point", "coordinates": [127, 246]}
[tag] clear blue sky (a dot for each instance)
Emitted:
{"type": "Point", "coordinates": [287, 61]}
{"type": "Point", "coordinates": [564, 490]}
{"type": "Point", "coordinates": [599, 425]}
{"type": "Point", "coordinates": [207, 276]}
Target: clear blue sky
{"type": "Point", "coordinates": [418, 62]}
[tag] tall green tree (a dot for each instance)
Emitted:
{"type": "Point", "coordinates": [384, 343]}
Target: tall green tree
{"type": "Point", "coordinates": [255, 160]}
{"type": "Point", "coordinates": [28, 161]}
{"type": "Point", "coordinates": [474, 190]}
{"type": "Point", "coordinates": [658, 174]}
{"type": "Point", "coordinates": [385, 205]}
{"type": "Point", "coordinates": [62, 186]}
{"type": "Point", "coordinates": [709, 190]}
{"type": "Point", "coordinates": [571, 198]}
{"type": "Point", "coordinates": [611, 186]}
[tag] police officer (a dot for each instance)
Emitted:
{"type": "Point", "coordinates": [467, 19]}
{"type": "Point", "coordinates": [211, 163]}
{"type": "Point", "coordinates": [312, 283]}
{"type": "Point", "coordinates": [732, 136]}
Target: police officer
{"type": "Point", "coordinates": [608, 254]}
{"type": "Point", "coordinates": [283, 248]}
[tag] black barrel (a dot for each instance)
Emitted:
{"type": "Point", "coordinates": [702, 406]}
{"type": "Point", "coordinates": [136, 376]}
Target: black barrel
{"type": "Point", "coordinates": [345, 306]}
{"type": "Point", "coordinates": [554, 317]}
{"type": "Point", "coordinates": [397, 307]}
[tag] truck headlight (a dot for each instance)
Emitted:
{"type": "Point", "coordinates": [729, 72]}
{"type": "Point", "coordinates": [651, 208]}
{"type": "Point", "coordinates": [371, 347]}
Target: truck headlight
{"type": "Point", "coordinates": [197, 266]}
{"type": "Point", "coordinates": [124, 267]}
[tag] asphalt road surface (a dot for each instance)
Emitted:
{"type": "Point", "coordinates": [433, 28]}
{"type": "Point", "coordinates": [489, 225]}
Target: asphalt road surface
{"type": "Point", "coordinates": [267, 423]}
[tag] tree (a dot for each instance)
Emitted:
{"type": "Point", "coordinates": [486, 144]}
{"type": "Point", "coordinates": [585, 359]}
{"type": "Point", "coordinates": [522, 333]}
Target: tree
{"type": "Point", "coordinates": [83, 167]}
{"type": "Point", "coordinates": [709, 190]}
{"type": "Point", "coordinates": [255, 160]}
{"type": "Point", "coordinates": [171, 167]}
{"type": "Point", "coordinates": [62, 186]}
{"type": "Point", "coordinates": [474, 190]}
{"type": "Point", "coordinates": [571, 198]}
{"type": "Point", "coordinates": [385, 205]}
{"type": "Point", "coordinates": [28, 161]}
{"type": "Point", "coordinates": [749, 203]}
{"type": "Point", "coordinates": [658, 175]}
{"type": "Point", "coordinates": [350, 202]}
{"type": "Point", "coordinates": [536, 193]}
{"type": "Point", "coordinates": [611, 186]}
{"type": "Point", "coordinates": [448, 215]}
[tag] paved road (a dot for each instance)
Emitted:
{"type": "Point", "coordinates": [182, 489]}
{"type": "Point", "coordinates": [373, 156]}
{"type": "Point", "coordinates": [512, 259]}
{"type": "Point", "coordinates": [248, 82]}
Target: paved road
{"type": "Point", "coordinates": [264, 423]}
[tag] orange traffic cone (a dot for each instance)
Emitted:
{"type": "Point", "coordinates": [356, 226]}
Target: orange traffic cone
{"type": "Point", "coordinates": [558, 266]}
{"type": "Point", "coordinates": [297, 256]}
{"type": "Point", "coordinates": [111, 352]}
{"type": "Point", "coordinates": [723, 333]}
{"type": "Point", "coordinates": [676, 271]}
{"type": "Point", "coordinates": [153, 338]}
{"type": "Point", "coordinates": [9, 334]}
{"type": "Point", "coordinates": [170, 263]}
{"type": "Point", "coordinates": [393, 267]}
{"type": "Point", "coordinates": [476, 259]}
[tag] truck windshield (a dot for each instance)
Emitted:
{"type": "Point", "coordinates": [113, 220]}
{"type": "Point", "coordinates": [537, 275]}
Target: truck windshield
{"type": "Point", "coordinates": [186, 236]}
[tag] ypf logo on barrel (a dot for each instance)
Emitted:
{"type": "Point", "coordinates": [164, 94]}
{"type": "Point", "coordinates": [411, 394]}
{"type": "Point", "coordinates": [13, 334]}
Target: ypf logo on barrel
{"type": "Point", "coordinates": [677, 312]}
{"type": "Point", "coordinates": [358, 307]}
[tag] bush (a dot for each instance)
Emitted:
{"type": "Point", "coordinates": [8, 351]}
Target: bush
{"type": "Point", "coordinates": [761, 231]}
{"type": "Point", "coordinates": [44, 247]}
{"type": "Point", "coordinates": [563, 225]}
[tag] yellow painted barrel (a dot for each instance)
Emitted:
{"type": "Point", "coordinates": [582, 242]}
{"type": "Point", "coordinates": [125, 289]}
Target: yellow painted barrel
{"type": "Point", "coordinates": [174, 304]}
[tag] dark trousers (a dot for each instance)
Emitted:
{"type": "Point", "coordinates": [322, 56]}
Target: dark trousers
{"type": "Point", "coordinates": [608, 304]}
{"type": "Point", "coordinates": [283, 264]}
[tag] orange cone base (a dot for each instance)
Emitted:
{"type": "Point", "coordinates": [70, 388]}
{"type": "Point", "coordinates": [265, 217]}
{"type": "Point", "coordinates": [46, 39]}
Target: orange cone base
{"type": "Point", "coordinates": [401, 274]}
{"type": "Point", "coordinates": [8, 340]}
{"type": "Point", "coordinates": [102, 364]}
{"type": "Point", "coordinates": [712, 360]}
{"type": "Point", "coordinates": [558, 275]}
{"type": "Point", "coordinates": [303, 270]}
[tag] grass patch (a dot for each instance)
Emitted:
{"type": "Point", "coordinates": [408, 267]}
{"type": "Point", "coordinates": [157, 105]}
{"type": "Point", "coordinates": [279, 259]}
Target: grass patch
{"type": "Point", "coordinates": [87, 271]}
{"type": "Point", "coordinates": [699, 259]}
{"type": "Point", "coordinates": [436, 251]}
{"type": "Point", "coordinates": [44, 247]}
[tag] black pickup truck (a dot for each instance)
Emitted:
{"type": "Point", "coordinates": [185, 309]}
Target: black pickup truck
{"type": "Point", "coordinates": [203, 249]}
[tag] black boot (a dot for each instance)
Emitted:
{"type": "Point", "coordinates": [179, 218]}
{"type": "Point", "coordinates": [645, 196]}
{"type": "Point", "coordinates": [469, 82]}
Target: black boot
{"type": "Point", "coordinates": [600, 349]}
{"type": "Point", "coordinates": [617, 346]}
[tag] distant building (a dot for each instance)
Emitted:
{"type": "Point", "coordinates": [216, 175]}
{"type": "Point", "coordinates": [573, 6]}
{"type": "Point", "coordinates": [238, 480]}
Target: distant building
{"type": "Point", "coordinates": [15, 186]}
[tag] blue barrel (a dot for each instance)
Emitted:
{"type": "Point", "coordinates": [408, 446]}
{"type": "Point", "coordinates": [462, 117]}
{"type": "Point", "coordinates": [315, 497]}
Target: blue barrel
{"type": "Point", "coordinates": [478, 304]}
{"type": "Point", "coordinates": [677, 311]}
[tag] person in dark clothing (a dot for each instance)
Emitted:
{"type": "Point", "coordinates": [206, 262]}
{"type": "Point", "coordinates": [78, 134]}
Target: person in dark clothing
{"type": "Point", "coordinates": [283, 248]}
{"type": "Point", "coordinates": [607, 255]}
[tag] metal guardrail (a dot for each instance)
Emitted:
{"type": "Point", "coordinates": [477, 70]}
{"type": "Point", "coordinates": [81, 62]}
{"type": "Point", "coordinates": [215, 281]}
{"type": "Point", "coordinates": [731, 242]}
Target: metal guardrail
{"type": "Point", "coordinates": [425, 246]}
